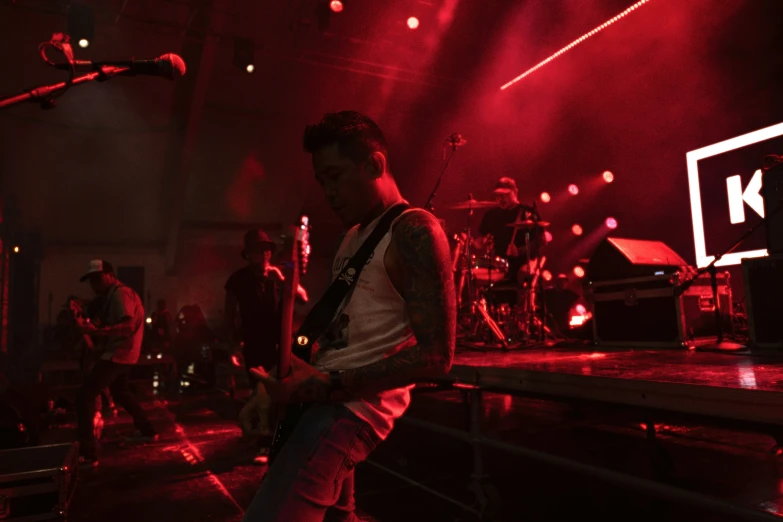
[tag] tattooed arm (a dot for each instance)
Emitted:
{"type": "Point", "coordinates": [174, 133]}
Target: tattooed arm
{"type": "Point", "coordinates": [419, 264]}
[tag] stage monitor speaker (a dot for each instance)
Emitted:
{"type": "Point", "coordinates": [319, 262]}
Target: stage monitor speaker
{"type": "Point", "coordinates": [619, 258]}
{"type": "Point", "coordinates": [763, 278]}
{"type": "Point", "coordinates": [772, 192]}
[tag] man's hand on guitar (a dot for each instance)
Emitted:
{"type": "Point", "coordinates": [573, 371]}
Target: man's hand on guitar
{"type": "Point", "coordinates": [304, 383]}
{"type": "Point", "coordinates": [86, 327]}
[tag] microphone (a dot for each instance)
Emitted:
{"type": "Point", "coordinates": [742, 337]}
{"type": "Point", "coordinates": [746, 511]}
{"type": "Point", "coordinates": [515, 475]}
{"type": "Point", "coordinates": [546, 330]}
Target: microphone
{"type": "Point", "coordinates": [456, 140]}
{"type": "Point", "coordinates": [169, 66]}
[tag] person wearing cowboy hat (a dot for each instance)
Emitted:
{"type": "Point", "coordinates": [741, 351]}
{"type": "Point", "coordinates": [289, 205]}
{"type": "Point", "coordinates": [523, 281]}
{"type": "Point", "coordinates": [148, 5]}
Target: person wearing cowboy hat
{"type": "Point", "coordinates": [253, 293]}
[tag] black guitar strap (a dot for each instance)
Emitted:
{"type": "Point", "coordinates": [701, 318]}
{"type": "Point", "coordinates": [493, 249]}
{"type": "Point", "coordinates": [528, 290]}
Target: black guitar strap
{"type": "Point", "coordinates": [322, 314]}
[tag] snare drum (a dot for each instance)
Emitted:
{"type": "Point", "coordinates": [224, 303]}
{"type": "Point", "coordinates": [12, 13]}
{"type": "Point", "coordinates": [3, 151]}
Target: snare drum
{"type": "Point", "coordinates": [488, 269]}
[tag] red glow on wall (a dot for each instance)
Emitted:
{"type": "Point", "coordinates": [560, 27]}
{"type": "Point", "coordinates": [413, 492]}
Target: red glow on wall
{"type": "Point", "coordinates": [336, 6]}
{"type": "Point", "coordinates": [577, 230]}
{"type": "Point", "coordinates": [413, 23]}
{"type": "Point", "coordinates": [573, 189]}
{"type": "Point", "coordinates": [545, 197]}
{"type": "Point", "coordinates": [243, 193]}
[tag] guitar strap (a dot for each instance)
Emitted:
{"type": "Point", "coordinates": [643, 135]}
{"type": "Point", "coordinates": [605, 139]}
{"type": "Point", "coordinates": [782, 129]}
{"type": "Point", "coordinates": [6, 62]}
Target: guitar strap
{"type": "Point", "coordinates": [322, 314]}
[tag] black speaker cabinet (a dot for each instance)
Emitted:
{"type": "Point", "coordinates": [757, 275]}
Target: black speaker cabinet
{"type": "Point", "coordinates": [618, 258]}
{"type": "Point", "coordinates": [763, 278]}
{"type": "Point", "coordinates": [772, 192]}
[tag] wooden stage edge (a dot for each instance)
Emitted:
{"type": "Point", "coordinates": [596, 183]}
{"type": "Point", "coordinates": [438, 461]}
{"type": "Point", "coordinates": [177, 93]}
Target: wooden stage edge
{"type": "Point", "coordinates": [729, 387]}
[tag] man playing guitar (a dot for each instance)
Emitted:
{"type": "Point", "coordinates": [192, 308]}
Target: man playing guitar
{"type": "Point", "coordinates": [118, 341]}
{"type": "Point", "coordinates": [396, 327]}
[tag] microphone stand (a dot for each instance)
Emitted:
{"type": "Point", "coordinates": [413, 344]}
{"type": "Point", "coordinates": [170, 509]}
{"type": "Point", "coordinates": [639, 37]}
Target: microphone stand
{"type": "Point", "coordinates": [45, 93]}
{"type": "Point", "coordinates": [720, 344]}
{"type": "Point", "coordinates": [428, 206]}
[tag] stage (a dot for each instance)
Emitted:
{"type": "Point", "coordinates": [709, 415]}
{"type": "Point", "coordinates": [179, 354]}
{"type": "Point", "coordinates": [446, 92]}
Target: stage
{"type": "Point", "coordinates": [723, 386]}
{"type": "Point", "coordinates": [738, 391]}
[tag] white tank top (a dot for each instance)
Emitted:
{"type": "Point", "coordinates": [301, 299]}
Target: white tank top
{"type": "Point", "coordinates": [372, 325]}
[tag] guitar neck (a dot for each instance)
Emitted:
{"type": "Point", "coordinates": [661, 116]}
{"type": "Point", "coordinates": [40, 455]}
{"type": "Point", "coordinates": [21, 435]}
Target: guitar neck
{"type": "Point", "coordinates": [287, 320]}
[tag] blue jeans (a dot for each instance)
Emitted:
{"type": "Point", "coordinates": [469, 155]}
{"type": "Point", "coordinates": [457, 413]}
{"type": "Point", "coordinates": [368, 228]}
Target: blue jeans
{"type": "Point", "coordinates": [312, 478]}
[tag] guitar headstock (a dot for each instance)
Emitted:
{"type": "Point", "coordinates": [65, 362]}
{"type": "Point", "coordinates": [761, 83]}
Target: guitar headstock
{"type": "Point", "coordinates": [303, 243]}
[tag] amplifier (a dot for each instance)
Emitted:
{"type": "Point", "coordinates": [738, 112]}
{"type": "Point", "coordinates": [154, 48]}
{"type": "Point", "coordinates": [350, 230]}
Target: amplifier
{"type": "Point", "coordinates": [37, 483]}
{"type": "Point", "coordinates": [650, 312]}
{"type": "Point", "coordinates": [763, 277]}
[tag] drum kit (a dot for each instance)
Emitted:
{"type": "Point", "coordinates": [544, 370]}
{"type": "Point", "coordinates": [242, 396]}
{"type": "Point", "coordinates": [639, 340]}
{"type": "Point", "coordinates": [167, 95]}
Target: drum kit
{"type": "Point", "coordinates": [497, 309]}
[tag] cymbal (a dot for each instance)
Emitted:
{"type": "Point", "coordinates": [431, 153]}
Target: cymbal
{"type": "Point", "coordinates": [473, 204]}
{"type": "Point", "coordinates": [529, 224]}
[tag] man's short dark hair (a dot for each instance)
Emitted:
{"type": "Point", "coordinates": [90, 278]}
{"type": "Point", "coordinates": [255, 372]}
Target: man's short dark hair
{"type": "Point", "coordinates": [356, 135]}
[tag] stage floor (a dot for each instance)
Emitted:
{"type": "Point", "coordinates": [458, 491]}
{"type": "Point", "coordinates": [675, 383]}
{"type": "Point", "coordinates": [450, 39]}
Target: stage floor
{"type": "Point", "coordinates": [728, 386]}
{"type": "Point", "coordinates": [684, 367]}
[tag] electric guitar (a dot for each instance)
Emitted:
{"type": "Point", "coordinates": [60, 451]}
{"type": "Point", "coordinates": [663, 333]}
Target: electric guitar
{"type": "Point", "coordinates": [297, 265]}
{"type": "Point", "coordinates": [87, 346]}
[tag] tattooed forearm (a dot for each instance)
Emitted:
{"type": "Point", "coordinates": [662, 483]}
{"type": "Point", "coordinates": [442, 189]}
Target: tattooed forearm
{"type": "Point", "coordinates": [422, 252]}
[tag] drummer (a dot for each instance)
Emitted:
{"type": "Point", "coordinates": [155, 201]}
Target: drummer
{"type": "Point", "coordinates": [495, 224]}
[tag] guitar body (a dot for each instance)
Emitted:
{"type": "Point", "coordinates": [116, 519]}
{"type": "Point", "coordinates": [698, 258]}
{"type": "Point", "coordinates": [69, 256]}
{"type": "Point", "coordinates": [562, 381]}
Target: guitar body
{"type": "Point", "coordinates": [293, 412]}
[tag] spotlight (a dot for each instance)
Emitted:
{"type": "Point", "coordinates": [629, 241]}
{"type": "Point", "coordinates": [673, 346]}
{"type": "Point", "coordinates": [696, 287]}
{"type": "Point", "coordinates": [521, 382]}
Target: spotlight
{"type": "Point", "coordinates": [413, 23]}
{"type": "Point", "coordinates": [244, 54]}
{"type": "Point", "coordinates": [81, 24]}
{"type": "Point", "coordinates": [548, 236]}
{"type": "Point", "coordinates": [573, 189]}
{"type": "Point", "coordinates": [580, 309]}
{"type": "Point", "coordinates": [608, 176]}
{"type": "Point", "coordinates": [547, 275]}
{"type": "Point", "coordinates": [579, 271]}
{"type": "Point", "coordinates": [611, 223]}
{"type": "Point", "coordinates": [336, 6]}
{"type": "Point", "coordinates": [545, 197]}
{"type": "Point", "coordinates": [16, 250]}
{"type": "Point", "coordinates": [149, 320]}
{"type": "Point", "coordinates": [577, 230]}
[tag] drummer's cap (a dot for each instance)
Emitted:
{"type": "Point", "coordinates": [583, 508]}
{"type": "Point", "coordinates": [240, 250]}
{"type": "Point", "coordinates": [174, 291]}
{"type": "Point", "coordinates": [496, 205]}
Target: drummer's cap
{"type": "Point", "coordinates": [505, 186]}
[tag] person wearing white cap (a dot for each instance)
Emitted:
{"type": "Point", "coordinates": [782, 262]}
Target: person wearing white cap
{"type": "Point", "coordinates": [117, 330]}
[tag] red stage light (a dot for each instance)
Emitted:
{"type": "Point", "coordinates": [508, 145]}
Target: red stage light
{"type": "Point", "coordinates": [608, 176]}
{"type": "Point", "coordinates": [547, 275]}
{"type": "Point", "coordinates": [545, 197]}
{"type": "Point", "coordinates": [548, 236]}
{"type": "Point", "coordinates": [235, 361]}
{"type": "Point", "coordinates": [579, 271]}
{"type": "Point", "coordinates": [573, 189]}
{"type": "Point", "coordinates": [577, 230]}
{"type": "Point", "coordinates": [413, 23]}
{"type": "Point", "coordinates": [574, 43]}
{"type": "Point", "coordinates": [611, 223]}
{"type": "Point", "coordinates": [336, 6]}
{"type": "Point", "coordinates": [580, 309]}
